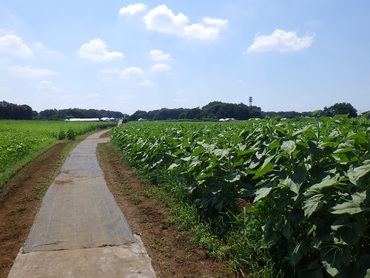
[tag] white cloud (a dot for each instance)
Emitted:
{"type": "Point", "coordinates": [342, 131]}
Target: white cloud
{"type": "Point", "coordinates": [96, 50]}
{"type": "Point", "coordinates": [217, 22]}
{"type": "Point", "coordinates": [14, 45]}
{"type": "Point", "coordinates": [132, 71]}
{"type": "Point", "coordinates": [145, 83]}
{"type": "Point", "coordinates": [123, 73]}
{"type": "Point", "coordinates": [132, 9]}
{"type": "Point", "coordinates": [41, 47]}
{"type": "Point", "coordinates": [159, 55]}
{"type": "Point", "coordinates": [163, 20]}
{"type": "Point", "coordinates": [29, 71]}
{"type": "Point", "coordinates": [160, 67]}
{"type": "Point", "coordinates": [280, 40]}
{"type": "Point", "coordinates": [201, 32]}
{"type": "Point", "coordinates": [47, 85]}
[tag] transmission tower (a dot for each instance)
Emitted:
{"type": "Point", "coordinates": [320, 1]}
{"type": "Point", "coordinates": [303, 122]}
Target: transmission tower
{"type": "Point", "coordinates": [250, 101]}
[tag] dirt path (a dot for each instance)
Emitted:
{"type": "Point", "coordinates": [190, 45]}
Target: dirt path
{"type": "Point", "coordinates": [172, 256]}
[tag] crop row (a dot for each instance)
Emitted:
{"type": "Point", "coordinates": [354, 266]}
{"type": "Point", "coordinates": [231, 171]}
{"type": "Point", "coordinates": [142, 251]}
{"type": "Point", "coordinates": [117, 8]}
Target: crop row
{"type": "Point", "coordinates": [22, 139]}
{"type": "Point", "coordinates": [308, 181]}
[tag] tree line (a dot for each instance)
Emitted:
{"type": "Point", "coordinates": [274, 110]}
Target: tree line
{"type": "Point", "coordinates": [54, 114]}
{"type": "Point", "coordinates": [11, 111]}
{"type": "Point", "coordinates": [219, 110]}
{"type": "Point", "coordinates": [213, 111]}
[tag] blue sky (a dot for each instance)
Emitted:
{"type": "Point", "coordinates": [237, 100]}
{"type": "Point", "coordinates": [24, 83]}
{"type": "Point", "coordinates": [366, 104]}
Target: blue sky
{"type": "Point", "coordinates": [125, 56]}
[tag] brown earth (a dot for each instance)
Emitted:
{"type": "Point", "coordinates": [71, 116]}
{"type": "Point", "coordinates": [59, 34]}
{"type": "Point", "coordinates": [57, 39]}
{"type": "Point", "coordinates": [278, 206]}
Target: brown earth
{"type": "Point", "coordinates": [19, 207]}
{"type": "Point", "coordinates": [172, 255]}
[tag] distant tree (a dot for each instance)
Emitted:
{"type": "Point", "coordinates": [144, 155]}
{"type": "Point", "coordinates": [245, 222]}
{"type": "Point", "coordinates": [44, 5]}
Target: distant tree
{"type": "Point", "coordinates": [340, 108]}
{"type": "Point", "coordinates": [54, 114]}
{"type": "Point", "coordinates": [212, 111]}
{"type": "Point", "coordinates": [35, 114]}
{"type": "Point", "coordinates": [193, 114]}
{"type": "Point", "coordinates": [14, 111]}
{"type": "Point", "coordinates": [218, 109]}
{"type": "Point", "coordinates": [48, 114]}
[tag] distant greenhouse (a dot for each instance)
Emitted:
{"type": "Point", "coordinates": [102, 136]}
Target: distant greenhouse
{"type": "Point", "coordinates": [104, 119]}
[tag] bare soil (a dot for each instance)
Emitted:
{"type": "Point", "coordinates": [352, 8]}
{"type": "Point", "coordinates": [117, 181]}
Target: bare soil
{"type": "Point", "coordinates": [19, 207]}
{"type": "Point", "coordinates": [172, 255]}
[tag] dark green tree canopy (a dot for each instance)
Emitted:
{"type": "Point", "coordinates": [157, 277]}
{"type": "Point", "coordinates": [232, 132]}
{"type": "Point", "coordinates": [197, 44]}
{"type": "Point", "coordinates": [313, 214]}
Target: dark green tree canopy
{"type": "Point", "coordinates": [54, 114]}
{"type": "Point", "coordinates": [15, 111]}
{"type": "Point", "coordinates": [340, 108]}
{"type": "Point", "coordinates": [213, 111]}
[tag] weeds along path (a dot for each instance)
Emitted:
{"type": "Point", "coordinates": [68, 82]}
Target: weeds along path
{"type": "Point", "coordinates": [80, 231]}
{"type": "Point", "coordinates": [20, 205]}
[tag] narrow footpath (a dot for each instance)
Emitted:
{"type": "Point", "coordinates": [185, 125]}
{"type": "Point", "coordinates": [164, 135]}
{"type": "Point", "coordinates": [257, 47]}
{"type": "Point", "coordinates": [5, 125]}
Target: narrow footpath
{"type": "Point", "coordinates": [79, 230]}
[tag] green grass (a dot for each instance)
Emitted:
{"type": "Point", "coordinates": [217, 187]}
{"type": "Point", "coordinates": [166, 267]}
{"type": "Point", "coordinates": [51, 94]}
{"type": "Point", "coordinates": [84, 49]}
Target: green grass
{"type": "Point", "coordinates": [23, 141]}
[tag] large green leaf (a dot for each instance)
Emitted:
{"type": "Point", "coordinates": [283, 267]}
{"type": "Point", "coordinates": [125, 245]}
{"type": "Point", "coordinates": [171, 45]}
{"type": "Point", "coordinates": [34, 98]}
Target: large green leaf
{"type": "Point", "coordinates": [352, 206]}
{"type": "Point", "coordinates": [294, 187]}
{"type": "Point", "coordinates": [336, 259]}
{"type": "Point", "coordinates": [355, 174]}
{"type": "Point", "coordinates": [262, 193]}
{"type": "Point", "coordinates": [330, 269]}
{"type": "Point", "coordinates": [348, 229]}
{"type": "Point", "coordinates": [232, 177]}
{"type": "Point", "coordinates": [266, 167]}
{"type": "Point", "coordinates": [328, 181]}
{"type": "Point", "coordinates": [288, 146]}
{"type": "Point", "coordinates": [314, 270]}
{"type": "Point", "coordinates": [173, 166]}
{"type": "Point", "coordinates": [312, 204]}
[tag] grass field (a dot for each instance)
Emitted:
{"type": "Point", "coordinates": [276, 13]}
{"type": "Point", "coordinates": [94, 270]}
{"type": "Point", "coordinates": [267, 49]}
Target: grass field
{"type": "Point", "coordinates": [22, 141]}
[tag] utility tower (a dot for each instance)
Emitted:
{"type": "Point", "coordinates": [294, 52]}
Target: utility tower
{"type": "Point", "coordinates": [250, 101]}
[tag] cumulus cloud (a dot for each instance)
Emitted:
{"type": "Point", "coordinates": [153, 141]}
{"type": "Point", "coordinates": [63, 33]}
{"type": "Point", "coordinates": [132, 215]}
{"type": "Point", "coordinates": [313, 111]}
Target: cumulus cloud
{"type": "Point", "coordinates": [47, 85]}
{"type": "Point", "coordinates": [280, 40]}
{"type": "Point", "coordinates": [132, 71]}
{"type": "Point", "coordinates": [163, 20]}
{"type": "Point", "coordinates": [159, 55]}
{"type": "Point", "coordinates": [96, 50]}
{"type": "Point", "coordinates": [132, 9]}
{"type": "Point", "coordinates": [160, 67]}
{"type": "Point", "coordinates": [14, 45]}
{"type": "Point", "coordinates": [217, 22]}
{"type": "Point", "coordinates": [29, 71]}
{"type": "Point", "coordinates": [145, 83]}
{"type": "Point", "coordinates": [123, 73]}
{"type": "Point", "coordinates": [201, 32]}
{"type": "Point", "coordinates": [41, 47]}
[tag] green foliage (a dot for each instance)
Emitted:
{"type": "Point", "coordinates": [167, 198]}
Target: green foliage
{"type": "Point", "coordinates": [71, 134]}
{"type": "Point", "coordinates": [54, 114]}
{"type": "Point", "coordinates": [15, 111]}
{"type": "Point", "coordinates": [212, 111]}
{"type": "Point", "coordinates": [21, 141]}
{"type": "Point", "coordinates": [62, 135]}
{"type": "Point", "coordinates": [340, 108]}
{"type": "Point", "coordinates": [309, 180]}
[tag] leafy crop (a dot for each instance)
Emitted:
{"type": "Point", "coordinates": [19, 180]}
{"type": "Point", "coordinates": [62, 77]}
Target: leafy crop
{"type": "Point", "coordinates": [307, 180]}
{"type": "Point", "coordinates": [23, 140]}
